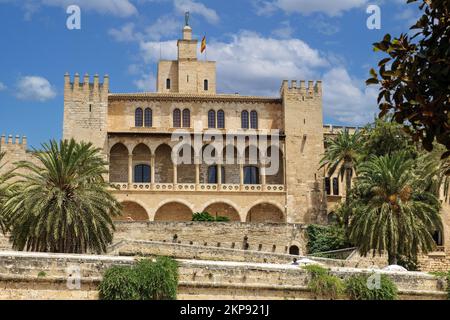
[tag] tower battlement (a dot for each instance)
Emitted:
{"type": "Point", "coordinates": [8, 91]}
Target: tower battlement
{"type": "Point", "coordinates": [86, 90]}
{"type": "Point", "coordinates": [294, 87]}
{"type": "Point", "coordinates": [11, 142]}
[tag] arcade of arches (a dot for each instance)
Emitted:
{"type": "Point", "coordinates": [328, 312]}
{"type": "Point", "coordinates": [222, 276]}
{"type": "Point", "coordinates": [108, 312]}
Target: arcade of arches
{"type": "Point", "coordinates": [177, 211]}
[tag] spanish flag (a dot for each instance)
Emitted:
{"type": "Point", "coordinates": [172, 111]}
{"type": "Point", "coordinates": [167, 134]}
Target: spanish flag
{"type": "Point", "coordinates": [203, 47]}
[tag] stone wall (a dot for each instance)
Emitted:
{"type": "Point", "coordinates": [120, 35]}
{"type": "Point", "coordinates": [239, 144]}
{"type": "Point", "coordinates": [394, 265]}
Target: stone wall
{"type": "Point", "coordinates": [44, 276]}
{"type": "Point", "coordinates": [268, 237]}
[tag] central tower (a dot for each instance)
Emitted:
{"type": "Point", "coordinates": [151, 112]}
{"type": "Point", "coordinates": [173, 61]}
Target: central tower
{"type": "Point", "coordinates": [187, 74]}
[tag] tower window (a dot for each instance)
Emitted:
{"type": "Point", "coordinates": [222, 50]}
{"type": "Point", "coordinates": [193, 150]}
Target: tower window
{"type": "Point", "coordinates": [328, 185]}
{"type": "Point", "coordinates": [138, 117]}
{"type": "Point", "coordinates": [186, 118]}
{"type": "Point", "coordinates": [205, 85]}
{"type": "Point", "coordinates": [176, 118]}
{"type": "Point", "coordinates": [244, 119]}
{"type": "Point", "coordinates": [336, 186]}
{"type": "Point", "coordinates": [211, 119]}
{"type": "Point", "coordinates": [168, 84]}
{"type": "Point", "coordinates": [148, 119]}
{"type": "Point", "coordinates": [254, 119]}
{"type": "Point", "coordinates": [221, 119]}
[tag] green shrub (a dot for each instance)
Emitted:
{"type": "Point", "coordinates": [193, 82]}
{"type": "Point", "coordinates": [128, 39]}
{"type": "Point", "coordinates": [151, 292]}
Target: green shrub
{"type": "Point", "coordinates": [148, 280]}
{"type": "Point", "coordinates": [206, 217]}
{"type": "Point", "coordinates": [158, 280]}
{"type": "Point", "coordinates": [357, 288]}
{"type": "Point", "coordinates": [325, 238]}
{"type": "Point", "coordinates": [120, 283]}
{"type": "Point", "coordinates": [322, 284]}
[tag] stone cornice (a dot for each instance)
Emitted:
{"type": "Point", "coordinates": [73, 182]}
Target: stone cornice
{"type": "Point", "coordinates": [190, 97]}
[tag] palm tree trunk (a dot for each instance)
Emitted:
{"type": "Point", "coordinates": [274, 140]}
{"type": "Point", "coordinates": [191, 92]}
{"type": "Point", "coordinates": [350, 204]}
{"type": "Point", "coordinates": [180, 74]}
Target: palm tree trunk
{"type": "Point", "coordinates": [392, 258]}
{"type": "Point", "coordinates": [348, 186]}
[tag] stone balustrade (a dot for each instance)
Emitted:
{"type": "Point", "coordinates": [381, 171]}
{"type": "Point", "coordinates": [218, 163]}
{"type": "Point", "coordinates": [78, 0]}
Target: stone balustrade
{"type": "Point", "coordinates": [187, 187]}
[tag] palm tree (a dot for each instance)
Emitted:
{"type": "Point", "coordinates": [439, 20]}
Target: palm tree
{"type": "Point", "coordinates": [396, 212]}
{"type": "Point", "coordinates": [4, 177]}
{"type": "Point", "coordinates": [341, 154]}
{"type": "Point", "coordinates": [60, 202]}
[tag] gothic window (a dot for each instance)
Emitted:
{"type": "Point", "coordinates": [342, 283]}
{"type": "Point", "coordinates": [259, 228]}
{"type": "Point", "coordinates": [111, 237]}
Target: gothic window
{"type": "Point", "coordinates": [138, 117]}
{"type": "Point", "coordinates": [254, 119]}
{"type": "Point", "coordinates": [148, 119]}
{"type": "Point", "coordinates": [336, 186]}
{"type": "Point", "coordinates": [244, 119]}
{"type": "Point", "coordinates": [168, 84]}
{"type": "Point", "coordinates": [205, 85]}
{"type": "Point", "coordinates": [221, 119]}
{"type": "Point", "coordinates": [186, 118]}
{"type": "Point", "coordinates": [213, 174]}
{"type": "Point", "coordinates": [251, 175]}
{"type": "Point", "coordinates": [177, 118]}
{"type": "Point", "coordinates": [211, 119]}
{"type": "Point", "coordinates": [142, 173]}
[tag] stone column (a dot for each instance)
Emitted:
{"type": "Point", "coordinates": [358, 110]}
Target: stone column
{"type": "Point", "coordinates": [219, 174]}
{"type": "Point", "coordinates": [152, 169]}
{"type": "Point", "coordinates": [197, 174]}
{"type": "Point", "coordinates": [263, 176]}
{"type": "Point", "coordinates": [175, 174]}
{"type": "Point", "coordinates": [241, 174]}
{"type": "Point", "coordinates": [130, 168]}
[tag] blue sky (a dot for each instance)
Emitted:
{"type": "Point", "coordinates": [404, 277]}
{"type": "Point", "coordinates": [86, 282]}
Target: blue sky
{"type": "Point", "coordinates": [257, 44]}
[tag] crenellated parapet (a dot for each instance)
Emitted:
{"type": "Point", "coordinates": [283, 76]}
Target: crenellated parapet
{"type": "Point", "coordinates": [10, 142]}
{"type": "Point", "coordinates": [85, 90]}
{"type": "Point", "coordinates": [313, 89]}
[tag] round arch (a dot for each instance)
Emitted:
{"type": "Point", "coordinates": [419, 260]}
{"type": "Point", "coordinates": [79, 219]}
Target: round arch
{"type": "Point", "coordinates": [266, 212]}
{"type": "Point", "coordinates": [173, 211]}
{"type": "Point", "coordinates": [224, 209]}
{"type": "Point", "coordinates": [163, 164]}
{"type": "Point", "coordinates": [132, 211]}
{"type": "Point", "coordinates": [118, 163]}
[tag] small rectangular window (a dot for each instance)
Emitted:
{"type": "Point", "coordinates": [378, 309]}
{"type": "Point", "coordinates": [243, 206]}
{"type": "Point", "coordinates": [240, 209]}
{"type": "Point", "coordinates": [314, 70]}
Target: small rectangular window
{"type": "Point", "coordinates": [336, 186]}
{"type": "Point", "coordinates": [328, 185]}
{"type": "Point", "coordinates": [168, 84]}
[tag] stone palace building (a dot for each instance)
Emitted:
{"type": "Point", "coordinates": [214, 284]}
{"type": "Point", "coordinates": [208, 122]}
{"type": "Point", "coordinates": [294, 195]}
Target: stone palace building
{"type": "Point", "coordinates": [138, 133]}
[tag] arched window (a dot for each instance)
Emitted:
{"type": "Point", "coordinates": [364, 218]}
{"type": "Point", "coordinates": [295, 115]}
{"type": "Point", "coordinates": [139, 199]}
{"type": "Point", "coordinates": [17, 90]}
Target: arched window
{"type": "Point", "coordinates": [138, 117]}
{"type": "Point", "coordinates": [142, 173]}
{"type": "Point", "coordinates": [205, 85]}
{"type": "Point", "coordinates": [177, 118]}
{"type": "Point", "coordinates": [254, 119]}
{"type": "Point", "coordinates": [244, 119]}
{"type": "Point", "coordinates": [168, 84]}
{"type": "Point", "coordinates": [213, 174]}
{"type": "Point", "coordinates": [148, 119]}
{"type": "Point", "coordinates": [335, 186]}
{"type": "Point", "coordinates": [211, 119]}
{"type": "Point", "coordinates": [220, 119]}
{"type": "Point", "coordinates": [186, 118]}
{"type": "Point", "coordinates": [251, 175]}
{"type": "Point", "coordinates": [328, 185]}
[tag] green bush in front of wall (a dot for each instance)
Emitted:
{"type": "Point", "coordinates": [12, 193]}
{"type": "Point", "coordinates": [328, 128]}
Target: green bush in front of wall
{"type": "Point", "coordinates": [322, 284]}
{"type": "Point", "coordinates": [371, 287]}
{"type": "Point", "coordinates": [148, 280]}
{"type": "Point", "coordinates": [206, 217]}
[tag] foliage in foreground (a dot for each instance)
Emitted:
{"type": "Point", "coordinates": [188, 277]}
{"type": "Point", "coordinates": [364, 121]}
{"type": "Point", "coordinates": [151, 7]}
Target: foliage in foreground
{"type": "Point", "coordinates": [322, 284]}
{"type": "Point", "coordinates": [148, 280]}
{"type": "Point", "coordinates": [206, 217]}
{"type": "Point", "coordinates": [60, 201]}
{"type": "Point", "coordinates": [371, 287]}
{"type": "Point", "coordinates": [414, 77]}
{"type": "Point", "coordinates": [4, 193]}
{"type": "Point", "coordinates": [325, 238]}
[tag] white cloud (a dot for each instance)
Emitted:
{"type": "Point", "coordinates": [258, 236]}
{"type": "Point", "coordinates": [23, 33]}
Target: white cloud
{"type": "Point", "coordinates": [125, 34]}
{"type": "Point", "coordinates": [329, 7]}
{"type": "Point", "coordinates": [285, 30]}
{"type": "Point", "coordinates": [164, 26]}
{"type": "Point", "coordinates": [210, 15]}
{"type": "Point", "coordinates": [347, 100]}
{"type": "Point", "coordinates": [2, 86]}
{"type": "Point", "coordinates": [35, 88]}
{"type": "Point", "coordinates": [119, 8]}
